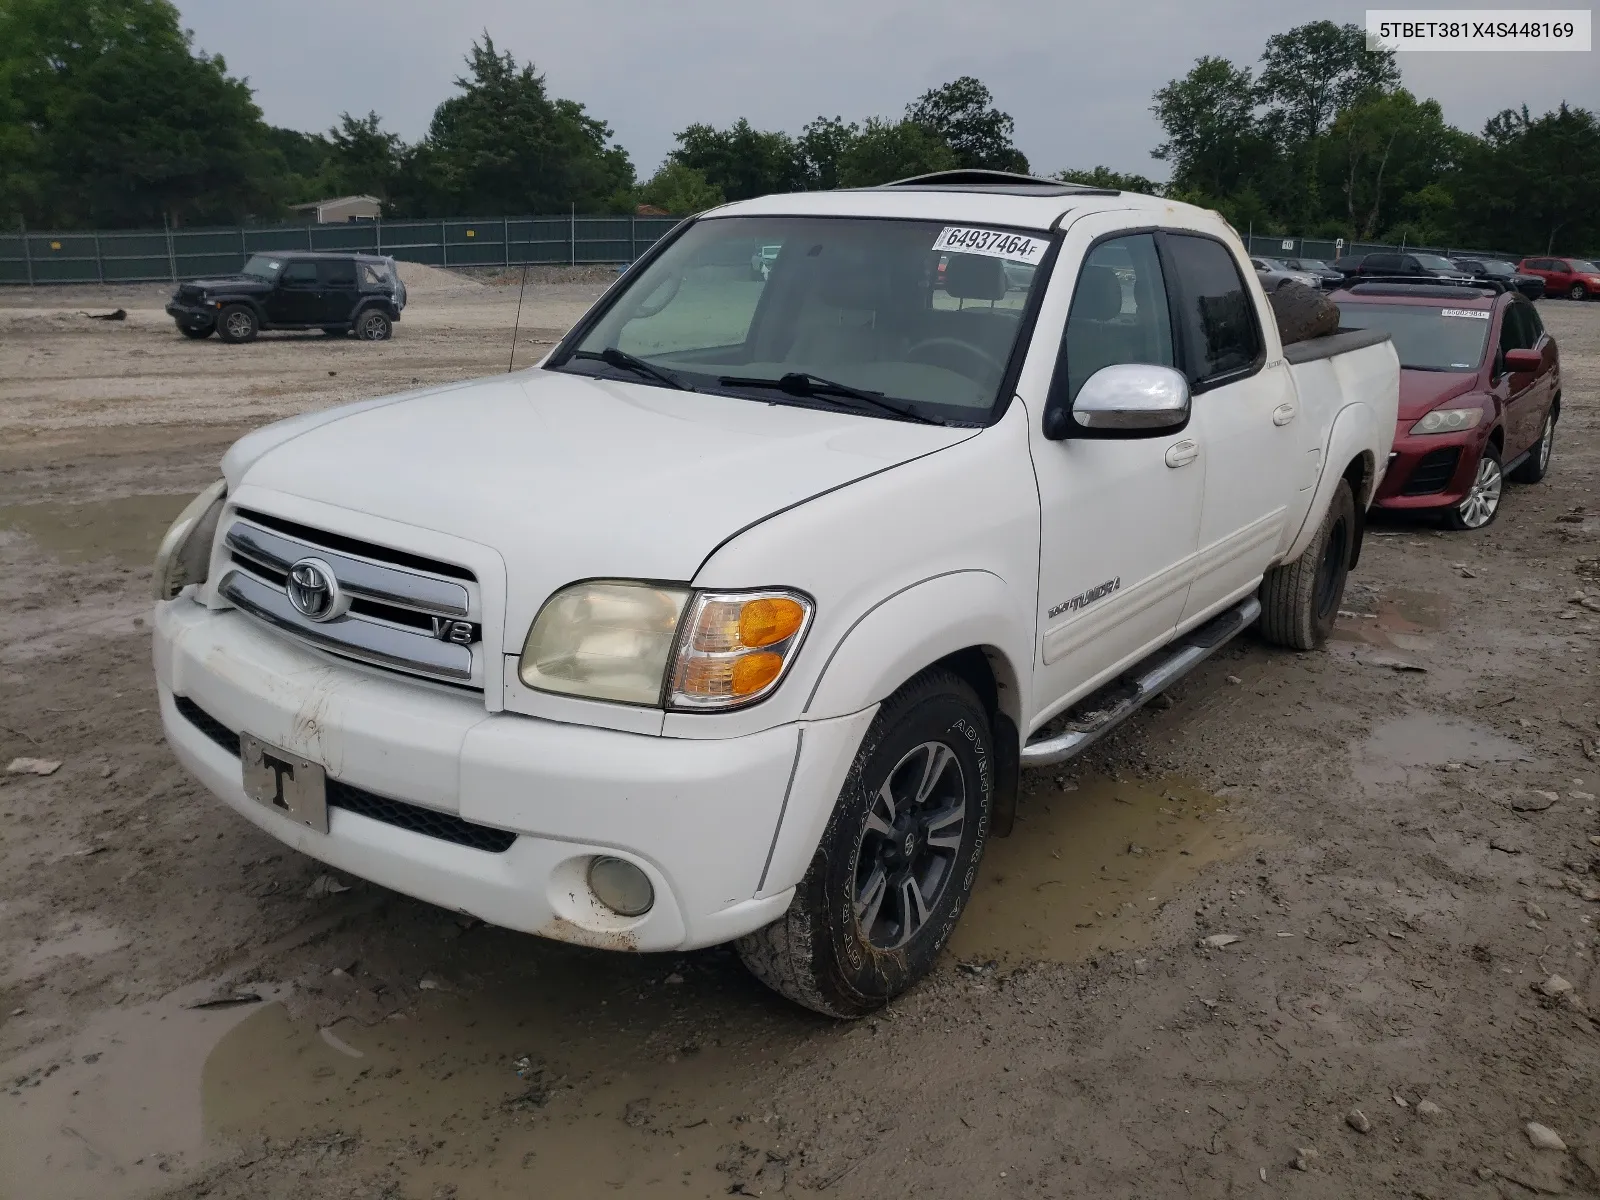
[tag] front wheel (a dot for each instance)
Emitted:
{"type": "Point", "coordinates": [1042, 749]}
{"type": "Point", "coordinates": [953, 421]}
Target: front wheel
{"type": "Point", "coordinates": [1300, 599]}
{"type": "Point", "coordinates": [237, 323]}
{"type": "Point", "coordinates": [374, 326]}
{"type": "Point", "coordinates": [1577, 292]}
{"type": "Point", "coordinates": [897, 861]}
{"type": "Point", "coordinates": [1481, 504]}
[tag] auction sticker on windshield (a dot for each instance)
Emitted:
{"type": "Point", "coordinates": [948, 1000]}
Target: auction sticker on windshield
{"type": "Point", "coordinates": [994, 243]}
{"type": "Point", "coordinates": [1474, 314]}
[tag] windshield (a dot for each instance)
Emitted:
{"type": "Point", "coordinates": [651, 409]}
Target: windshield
{"type": "Point", "coordinates": [1426, 338]}
{"type": "Point", "coordinates": [263, 266]}
{"type": "Point", "coordinates": [1311, 264]}
{"type": "Point", "coordinates": [1498, 267]}
{"type": "Point", "coordinates": [916, 312]}
{"type": "Point", "coordinates": [1435, 262]}
{"type": "Point", "coordinates": [1582, 266]}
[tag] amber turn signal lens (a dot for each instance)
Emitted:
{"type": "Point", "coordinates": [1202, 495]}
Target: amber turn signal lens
{"type": "Point", "coordinates": [768, 620]}
{"type": "Point", "coordinates": [752, 672]}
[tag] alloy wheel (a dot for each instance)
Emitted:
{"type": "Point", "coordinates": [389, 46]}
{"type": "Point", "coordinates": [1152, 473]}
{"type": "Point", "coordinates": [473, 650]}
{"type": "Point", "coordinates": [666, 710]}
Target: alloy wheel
{"type": "Point", "coordinates": [1483, 500]}
{"type": "Point", "coordinates": [1547, 442]}
{"type": "Point", "coordinates": [239, 325]}
{"type": "Point", "coordinates": [909, 845]}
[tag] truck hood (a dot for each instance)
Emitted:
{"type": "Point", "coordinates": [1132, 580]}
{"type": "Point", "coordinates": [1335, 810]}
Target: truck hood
{"type": "Point", "coordinates": [569, 477]}
{"type": "Point", "coordinates": [1423, 391]}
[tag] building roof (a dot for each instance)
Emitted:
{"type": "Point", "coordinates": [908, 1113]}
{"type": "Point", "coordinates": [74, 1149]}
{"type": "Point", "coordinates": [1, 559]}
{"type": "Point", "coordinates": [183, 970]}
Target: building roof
{"type": "Point", "coordinates": [335, 200]}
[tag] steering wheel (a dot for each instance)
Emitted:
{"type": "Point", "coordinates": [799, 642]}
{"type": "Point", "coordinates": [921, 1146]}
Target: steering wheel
{"type": "Point", "coordinates": [986, 362]}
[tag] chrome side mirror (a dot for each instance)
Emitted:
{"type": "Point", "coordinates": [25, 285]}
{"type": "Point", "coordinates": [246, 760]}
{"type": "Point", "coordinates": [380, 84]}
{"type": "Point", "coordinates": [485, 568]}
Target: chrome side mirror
{"type": "Point", "coordinates": [1132, 400]}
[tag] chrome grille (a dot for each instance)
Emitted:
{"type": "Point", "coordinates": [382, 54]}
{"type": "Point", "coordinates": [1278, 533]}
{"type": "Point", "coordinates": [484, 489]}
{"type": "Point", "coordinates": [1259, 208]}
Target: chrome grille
{"type": "Point", "coordinates": [402, 617]}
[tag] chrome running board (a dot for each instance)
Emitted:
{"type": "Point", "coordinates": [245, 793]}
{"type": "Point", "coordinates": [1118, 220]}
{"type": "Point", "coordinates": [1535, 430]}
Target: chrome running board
{"type": "Point", "coordinates": [1106, 708]}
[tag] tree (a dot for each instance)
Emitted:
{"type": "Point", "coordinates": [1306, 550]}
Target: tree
{"type": "Point", "coordinates": [680, 190]}
{"type": "Point", "coordinates": [1534, 181]}
{"type": "Point", "coordinates": [1105, 177]}
{"type": "Point", "coordinates": [890, 150]}
{"type": "Point", "coordinates": [115, 119]}
{"type": "Point", "coordinates": [741, 160]}
{"type": "Point", "coordinates": [1310, 74]}
{"type": "Point", "coordinates": [1213, 142]}
{"type": "Point", "coordinates": [505, 146]}
{"type": "Point", "coordinates": [1391, 146]}
{"type": "Point", "coordinates": [363, 159]}
{"type": "Point", "coordinates": [962, 115]}
{"type": "Point", "coordinates": [822, 147]}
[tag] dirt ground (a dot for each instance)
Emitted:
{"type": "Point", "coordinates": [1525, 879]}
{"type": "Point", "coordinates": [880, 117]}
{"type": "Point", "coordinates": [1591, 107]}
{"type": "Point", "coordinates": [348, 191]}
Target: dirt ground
{"type": "Point", "coordinates": [188, 1009]}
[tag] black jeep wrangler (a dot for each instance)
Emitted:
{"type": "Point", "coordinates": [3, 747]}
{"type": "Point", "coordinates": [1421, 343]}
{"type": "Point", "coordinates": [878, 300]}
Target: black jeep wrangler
{"type": "Point", "coordinates": [336, 293]}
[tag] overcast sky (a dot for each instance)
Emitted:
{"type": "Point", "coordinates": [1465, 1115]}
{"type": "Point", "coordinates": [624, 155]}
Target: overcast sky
{"type": "Point", "coordinates": [1077, 77]}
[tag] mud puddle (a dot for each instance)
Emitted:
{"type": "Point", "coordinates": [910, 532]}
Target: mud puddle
{"type": "Point", "coordinates": [1399, 619]}
{"type": "Point", "coordinates": [114, 1111]}
{"type": "Point", "coordinates": [1089, 869]}
{"type": "Point", "coordinates": [128, 528]}
{"type": "Point", "coordinates": [575, 1078]}
{"type": "Point", "coordinates": [1407, 751]}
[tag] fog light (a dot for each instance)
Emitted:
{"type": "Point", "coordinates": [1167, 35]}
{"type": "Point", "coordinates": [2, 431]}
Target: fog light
{"type": "Point", "coordinates": [621, 886]}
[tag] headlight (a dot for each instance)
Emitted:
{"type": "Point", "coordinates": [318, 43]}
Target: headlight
{"type": "Point", "coordinates": [736, 646]}
{"type": "Point", "coordinates": [184, 556]}
{"type": "Point", "coordinates": [605, 640]}
{"type": "Point", "coordinates": [1448, 420]}
{"type": "Point", "coordinates": [642, 643]}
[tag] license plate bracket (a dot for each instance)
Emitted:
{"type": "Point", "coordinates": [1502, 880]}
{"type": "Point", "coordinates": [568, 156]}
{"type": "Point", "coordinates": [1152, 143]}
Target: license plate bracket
{"type": "Point", "coordinates": [289, 785]}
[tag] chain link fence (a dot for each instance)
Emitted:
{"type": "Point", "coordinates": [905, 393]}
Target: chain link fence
{"type": "Point", "coordinates": [146, 255]}
{"type": "Point", "coordinates": [1328, 249]}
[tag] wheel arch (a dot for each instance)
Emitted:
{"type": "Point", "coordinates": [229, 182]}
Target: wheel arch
{"type": "Point", "coordinates": [1361, 474]}
{"type": "Point", "coordinates": [1350, 445]}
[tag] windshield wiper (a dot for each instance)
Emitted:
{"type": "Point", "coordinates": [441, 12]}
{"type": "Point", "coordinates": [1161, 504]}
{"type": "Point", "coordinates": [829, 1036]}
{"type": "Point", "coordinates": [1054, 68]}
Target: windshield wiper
{"type": "Point", "coordinates": [803, 383]}
{"type": "Point", "coordinates": [614, 357]}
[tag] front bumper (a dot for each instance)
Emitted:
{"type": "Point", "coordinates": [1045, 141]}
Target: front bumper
{"type": "Point", "coordinates": [196, 316]}
{"type": "Point", "coordinates": [1433, 470]}
{"type": "Point", "coordinates": [700, 817]}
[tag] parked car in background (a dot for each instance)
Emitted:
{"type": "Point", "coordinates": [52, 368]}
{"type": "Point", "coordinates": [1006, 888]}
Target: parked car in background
{"type": "Point", "coordinates": [1501, 271]}
{"type": "Point", "coordinates": [1326, 275]}
{"type": "Point", "coordinates": [1423, 266]}
{"type": "Point", "coordinates": [1349, 264]}
{"type": "Point", "coordinates": [1574, 278]}
{"type": "Point", "coordinates": [1273, 274]}
{"type": "Point", "coordinates": [1480, 394]}
{"type": "Point", "coordinates": [761, 261]}
{"type": "Point", "coordinates": [708, 629]}
{"type": "Point", "coordinates": [336, 293]}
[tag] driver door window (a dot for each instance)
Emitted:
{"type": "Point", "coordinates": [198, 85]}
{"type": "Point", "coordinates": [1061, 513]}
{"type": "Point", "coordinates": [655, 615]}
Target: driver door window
{"type": "Point", "coordinates": [1119, 314]}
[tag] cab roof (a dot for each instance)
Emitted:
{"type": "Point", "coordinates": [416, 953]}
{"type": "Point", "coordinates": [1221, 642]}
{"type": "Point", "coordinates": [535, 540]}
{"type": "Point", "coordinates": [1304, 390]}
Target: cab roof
{"type": "Point", "coordinates": [967, 197]}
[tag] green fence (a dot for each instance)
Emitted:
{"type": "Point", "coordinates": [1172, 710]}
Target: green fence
{"type": "Point", "coordinates": [136, 256]}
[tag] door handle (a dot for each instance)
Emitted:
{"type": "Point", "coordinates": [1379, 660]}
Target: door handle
{"type": "Point", "coordinates": [1181, 454]}
{"type": "Point", "coordinates": [1283, 414]}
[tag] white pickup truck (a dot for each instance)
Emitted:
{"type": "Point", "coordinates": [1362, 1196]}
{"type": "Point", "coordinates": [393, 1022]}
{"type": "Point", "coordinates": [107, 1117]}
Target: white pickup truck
{"type": "Point", "coordinates": [736, 617]}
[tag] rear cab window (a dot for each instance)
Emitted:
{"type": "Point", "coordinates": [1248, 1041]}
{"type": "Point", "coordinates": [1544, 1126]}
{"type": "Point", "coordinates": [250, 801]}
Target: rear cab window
{"type": "Point", "coordinates": [337, 273]}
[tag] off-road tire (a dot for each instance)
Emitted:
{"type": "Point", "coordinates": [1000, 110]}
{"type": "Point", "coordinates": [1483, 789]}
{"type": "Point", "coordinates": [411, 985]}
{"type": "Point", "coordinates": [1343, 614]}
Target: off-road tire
{"type": "Point", "coordinates": [1302, 312]}
{"type": "Point", "coordinates": [237, 323]}
{"type": "Point", "coordinates": [374, 326]}
{"type": "Point", "coordinates": [1300, 599]}
{"type": "Point", "coordinates": [816, 954]}
{"type": "Point", "coordinates": [1537, 465]}
{"type": "Point", "coordinates": [1577, 292]}
{"type": "Point", "coordinates": [200, 334]}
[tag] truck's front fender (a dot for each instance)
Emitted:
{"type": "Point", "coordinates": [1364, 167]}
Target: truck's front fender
{"type": "Point", "coordinates": [918, 625]}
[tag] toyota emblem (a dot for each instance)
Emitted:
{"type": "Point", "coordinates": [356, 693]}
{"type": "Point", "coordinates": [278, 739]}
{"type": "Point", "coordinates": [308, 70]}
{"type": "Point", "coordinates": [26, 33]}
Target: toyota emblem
{"type": "Point", "coordinates": [314, 591]}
